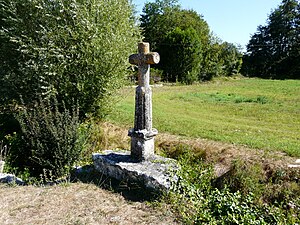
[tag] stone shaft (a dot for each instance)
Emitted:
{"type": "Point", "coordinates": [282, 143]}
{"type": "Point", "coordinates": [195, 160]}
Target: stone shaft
{"type": "Point", "coordinates": [142, 142]}
{"type": "Point", "coordinates": [143, 108]}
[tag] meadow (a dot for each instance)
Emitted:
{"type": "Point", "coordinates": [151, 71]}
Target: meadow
{"type": "Point", "coordinates": [259, 114]}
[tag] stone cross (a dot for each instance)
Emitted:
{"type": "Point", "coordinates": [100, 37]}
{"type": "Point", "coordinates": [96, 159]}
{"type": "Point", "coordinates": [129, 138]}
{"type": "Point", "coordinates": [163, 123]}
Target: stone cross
{"type": "Point", "coordinates": [142, 135]}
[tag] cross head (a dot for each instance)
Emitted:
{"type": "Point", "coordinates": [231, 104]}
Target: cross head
{"type": "Point", "coordinates": [143, 60]}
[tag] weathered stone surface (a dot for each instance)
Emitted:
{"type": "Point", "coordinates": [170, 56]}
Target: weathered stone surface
{"type": "Point", "coordinates": [156, 173]}
{"type": "Point", "coordinates": [149, 58]}
{"type": "Point", "coordinates": [295, 165]}
{"type": "Point", "coordinates": [10, 179]}
{"type": "Point", "coordinates": [142, 135]}
{"type": "Point", "coordinates": [142, 143]}
{"type": "Point", "coordinates": [2, 163]}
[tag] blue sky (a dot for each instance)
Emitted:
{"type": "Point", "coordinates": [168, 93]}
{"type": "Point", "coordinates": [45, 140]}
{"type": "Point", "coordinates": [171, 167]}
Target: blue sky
{"type": "Point", "coordinates": [233, 21]}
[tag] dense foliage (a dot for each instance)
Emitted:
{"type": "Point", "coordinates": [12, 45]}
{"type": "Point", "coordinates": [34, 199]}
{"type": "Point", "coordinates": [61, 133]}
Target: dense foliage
{"type": "Point", "coordinates": [199, 198]}
{"type": "Point", "coordinates": [274, 50]}
{"type": "Point", "coordinates": [74, 49]}
{"type": "Point", "coordinates": [182, 37]}
{"type": "Point", "coordinates": [50, 141]}
{"type": "Point", "coordinates": [181, 48]}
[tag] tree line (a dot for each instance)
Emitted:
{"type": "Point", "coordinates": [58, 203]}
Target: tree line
{"type": "Point", "coordinates": [274, 50]}
{"type": "Point", "coordinates": [189, 51]}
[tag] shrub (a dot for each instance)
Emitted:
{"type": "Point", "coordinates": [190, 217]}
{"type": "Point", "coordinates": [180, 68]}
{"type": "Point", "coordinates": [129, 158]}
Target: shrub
{"type": "Point", "coordinates": [49, 140]}
{"type": "Point", "coordinates": [72, 48]}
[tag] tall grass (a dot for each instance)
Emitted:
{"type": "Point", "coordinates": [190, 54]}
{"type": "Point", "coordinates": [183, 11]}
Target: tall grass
{"type": "Point", "coordinates": [253, 112]}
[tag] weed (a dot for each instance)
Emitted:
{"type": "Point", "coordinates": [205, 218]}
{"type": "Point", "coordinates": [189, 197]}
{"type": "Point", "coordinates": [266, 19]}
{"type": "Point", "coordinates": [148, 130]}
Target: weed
{"type": "Point", "coordinates": [197, 201]}
{"type": "Point", "coordinates": [245, 177]}
{"type": "Point", "coordinates": [102, 136]}
{"type": "Point", "coordinates": [3, 151]}
{"type": "Point", "coordinates": [5, 145]}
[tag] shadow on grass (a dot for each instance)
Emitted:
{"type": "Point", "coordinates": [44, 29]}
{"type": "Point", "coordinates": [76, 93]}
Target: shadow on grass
{"type": "Point", "coordinates": [130, 191]}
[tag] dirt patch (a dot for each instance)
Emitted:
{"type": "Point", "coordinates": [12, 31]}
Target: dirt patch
{"type": "Point", "coordinates": [74, 203]}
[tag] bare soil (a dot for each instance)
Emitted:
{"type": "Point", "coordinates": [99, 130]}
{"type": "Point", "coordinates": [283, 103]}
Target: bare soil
{"type": "Point", "coordinates": [74, 203]}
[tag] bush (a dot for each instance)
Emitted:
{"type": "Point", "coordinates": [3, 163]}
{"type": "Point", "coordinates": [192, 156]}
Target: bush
{"type": "Point", "coordinates": [72, 48]}
{"type": "Point", "coordinates": [49, 141]}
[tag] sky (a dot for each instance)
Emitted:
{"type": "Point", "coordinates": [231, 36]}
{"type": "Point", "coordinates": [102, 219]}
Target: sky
{"type": "Point", "coordinates": [233, 21]}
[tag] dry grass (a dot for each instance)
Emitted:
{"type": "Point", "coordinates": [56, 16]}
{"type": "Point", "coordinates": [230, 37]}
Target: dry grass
{"type": "Point", "coordinates": [76, 203]}
{"type": "Point", "coordinates": [106, 136]}
{"type": "Point", "coordinates": [212, 151]}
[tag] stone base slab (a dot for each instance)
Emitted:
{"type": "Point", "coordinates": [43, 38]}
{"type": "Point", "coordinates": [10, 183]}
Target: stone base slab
{"type": "Point", "coordinates": [157, 173]}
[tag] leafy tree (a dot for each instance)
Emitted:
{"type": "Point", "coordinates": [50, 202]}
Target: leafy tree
{"type": "Point", "coordinates": [74, 49]}
{"type": "Point", "coordinates": [231, 59]}
{"type": "Point", "coordinates": [211, 65]}
{"type": "Point", "coordinates": [182, 37]}
{"type": "Point", "coordinates": [157, 20]}
{"type": "Point", "coordinates": [273, 52]}
{"type": "Point", "coordinates": [175, 33]}
{"type": "Point", "coordinates": [220, 59]}
{"type": "Point", "coordinates": [181, 55]}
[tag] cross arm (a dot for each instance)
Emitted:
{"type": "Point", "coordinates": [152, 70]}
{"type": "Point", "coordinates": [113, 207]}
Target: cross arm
{"type": "Point", "coordinates": [149, 58]}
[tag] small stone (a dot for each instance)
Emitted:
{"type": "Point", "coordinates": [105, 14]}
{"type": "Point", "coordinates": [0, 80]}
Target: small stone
{"type": "Point", "coordinates": [115, 219]}
{"type": "Point", "coordinates": [10, 179]}
{"type": "Point", "coordinates": [220, 170]}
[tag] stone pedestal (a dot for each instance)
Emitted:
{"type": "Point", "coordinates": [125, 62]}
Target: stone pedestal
{"type": "Point", "coordinates": [142, 143]}
{"type": "Point", "coordinates": [157, 173]}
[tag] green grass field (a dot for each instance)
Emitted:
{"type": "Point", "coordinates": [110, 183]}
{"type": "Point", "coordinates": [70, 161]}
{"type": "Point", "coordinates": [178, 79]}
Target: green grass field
{"type": "Point", "coordinates": [253, 112]}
